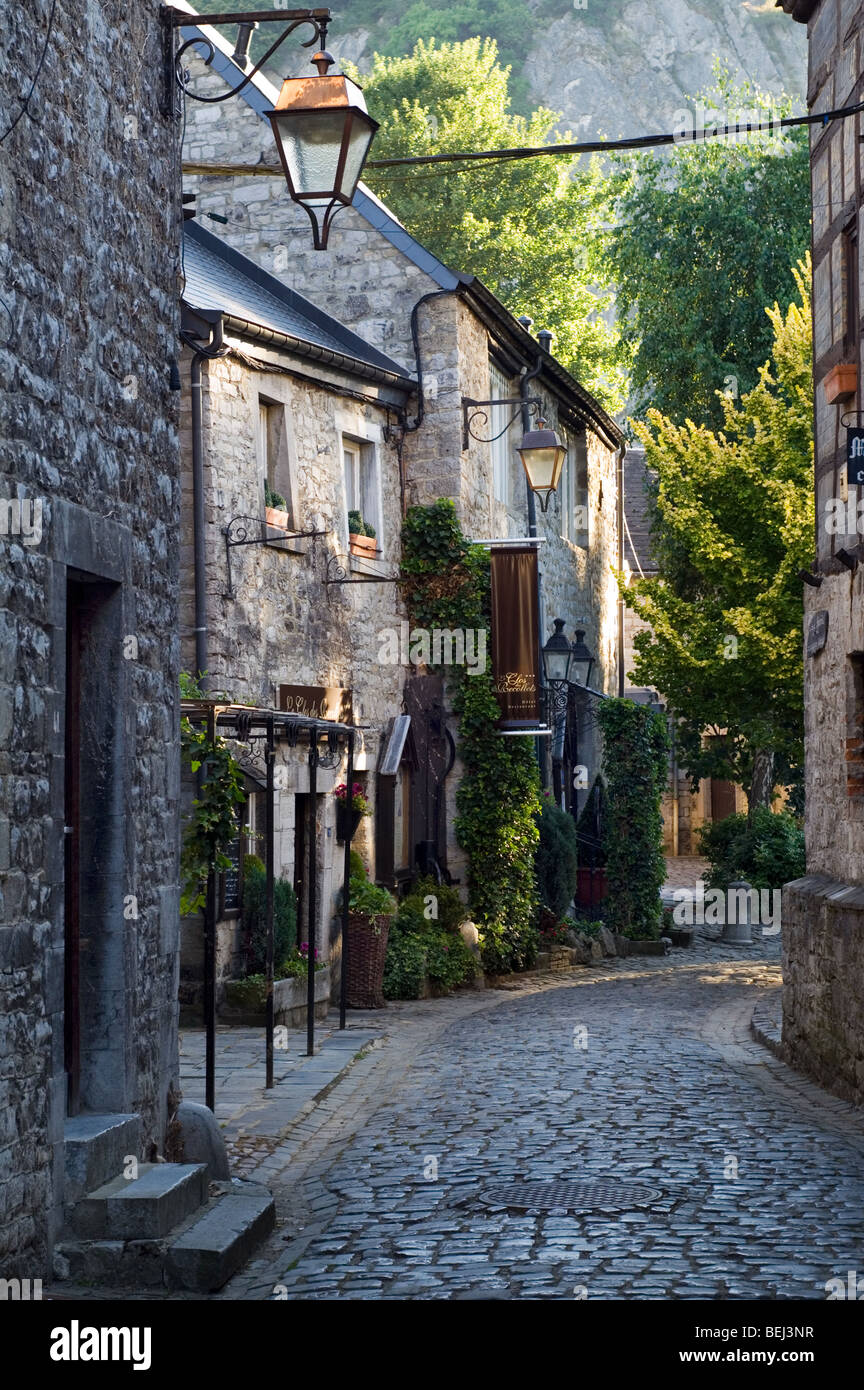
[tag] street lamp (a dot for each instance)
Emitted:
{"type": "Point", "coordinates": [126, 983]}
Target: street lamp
{"type": "Point", "coordinates": [557, 654]}
{"type": "Point", "coordinates": [581, 660]}
{"type": "Point", "coordinates": [542, 455]}
{"type": "Point", "coordinates": [321, 126]}
{"type": "Point", "coordinates": [323, 133]}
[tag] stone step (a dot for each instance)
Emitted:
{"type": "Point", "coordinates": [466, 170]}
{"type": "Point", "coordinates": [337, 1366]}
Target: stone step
{"type": "Point", "coordinates": [215, 1246]}
{"type": "Point", "coordinates": [143, 1208]}
{"type": "Point", "coordinates": [200, 1254]}
{"type": "Point", "coordinates": [95, 1147]}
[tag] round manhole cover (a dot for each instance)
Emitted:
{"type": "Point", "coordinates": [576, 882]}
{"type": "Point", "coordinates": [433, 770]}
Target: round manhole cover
{"type": "Point", "coordinates": [600, 1196]}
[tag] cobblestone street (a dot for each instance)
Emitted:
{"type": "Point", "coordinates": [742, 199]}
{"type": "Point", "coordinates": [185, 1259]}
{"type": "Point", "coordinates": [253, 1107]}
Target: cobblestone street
{"type": "Point", "coordinates": [758, 1175]}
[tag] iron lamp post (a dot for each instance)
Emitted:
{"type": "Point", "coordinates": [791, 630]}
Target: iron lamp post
{"type": "Point", "coordinates": [322, 129]}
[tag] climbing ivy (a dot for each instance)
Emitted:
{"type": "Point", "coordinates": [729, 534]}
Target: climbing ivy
{"type": "Point", "coordinates": [447, 586]}
{"type": "Point", "coordinates": [635, 766]}
{"type": "Point", "coordinates": [211, 825]}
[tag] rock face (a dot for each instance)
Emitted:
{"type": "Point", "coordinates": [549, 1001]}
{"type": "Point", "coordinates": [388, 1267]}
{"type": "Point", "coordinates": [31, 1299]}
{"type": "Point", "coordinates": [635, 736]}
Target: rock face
{"type": "Point", "coordinates": [620, 67]}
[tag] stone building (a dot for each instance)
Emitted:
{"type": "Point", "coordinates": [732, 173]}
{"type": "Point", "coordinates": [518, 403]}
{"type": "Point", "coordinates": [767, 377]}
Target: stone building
{"type": "Point", "coordinates": [89, 564]}
{"type": "Point", "coordinates": [300, 407]}
{"type": "Point", "coordinates": [459, 343]}
{"type": "Point", "coordinates": [823, 913]}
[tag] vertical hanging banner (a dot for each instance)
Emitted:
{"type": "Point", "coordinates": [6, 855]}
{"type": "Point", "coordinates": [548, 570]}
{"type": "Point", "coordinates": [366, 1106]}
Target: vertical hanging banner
{"type": "Point", "coordinates": [515, 637]}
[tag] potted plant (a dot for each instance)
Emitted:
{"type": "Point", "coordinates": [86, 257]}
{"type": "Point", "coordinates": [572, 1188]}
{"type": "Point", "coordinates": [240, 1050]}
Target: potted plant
{"type": "Point", "coordinates": [276, 509]}
{"type": "Point", "coordinates": [349, 815]}
{"type": "Point", "coordinates": [370, 912]}
{"type": "Point", "coordinates": [361, 536]}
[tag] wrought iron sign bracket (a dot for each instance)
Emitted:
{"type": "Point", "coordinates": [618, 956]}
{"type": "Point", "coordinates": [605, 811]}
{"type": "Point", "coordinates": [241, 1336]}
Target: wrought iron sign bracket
{"type": "Point", "coordinates": [173, 19]}
{"type": "Point", "coordinates": [237, 532]}
{"type": "Point", "coordinates": [336, 571]}
{"type": "Point", "coordinates": [475, 410]}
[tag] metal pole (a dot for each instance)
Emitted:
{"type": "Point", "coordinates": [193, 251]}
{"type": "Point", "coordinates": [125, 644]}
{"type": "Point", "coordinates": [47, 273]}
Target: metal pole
{"type": "Point", "coordinates": [311, 896]}
{"type": "Point", "coordinates": [269, 832]}
{"type": "Point", "coordinates": [210, 966]}
{"type": "Point", "coordinates": [343, 981]}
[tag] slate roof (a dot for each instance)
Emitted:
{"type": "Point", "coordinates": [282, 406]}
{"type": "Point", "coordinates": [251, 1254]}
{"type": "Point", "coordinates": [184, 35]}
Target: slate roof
{"type": "Point", "coordinates": [637, 545]}
{"type": "Point", "coordinates": [218, 277]}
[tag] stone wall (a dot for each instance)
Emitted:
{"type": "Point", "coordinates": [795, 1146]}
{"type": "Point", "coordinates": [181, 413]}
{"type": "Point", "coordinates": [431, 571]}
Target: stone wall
{"type": "Point", "coordinates": [89, 253]}
{"type": "Point", "coordinates": [823, 914]}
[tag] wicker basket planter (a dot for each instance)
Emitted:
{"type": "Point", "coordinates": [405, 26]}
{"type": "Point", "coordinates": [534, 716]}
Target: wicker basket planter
{"type": "Point", "coordinates": [366, 948]}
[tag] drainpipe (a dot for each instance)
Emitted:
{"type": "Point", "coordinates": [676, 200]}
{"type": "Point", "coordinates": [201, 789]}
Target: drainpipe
{"type": "Point", "coordinates": [619, 471]}
{"type": "Point", "coordinates": [545, 341]}
{"type": "Point", "coordinates": [214, 348]}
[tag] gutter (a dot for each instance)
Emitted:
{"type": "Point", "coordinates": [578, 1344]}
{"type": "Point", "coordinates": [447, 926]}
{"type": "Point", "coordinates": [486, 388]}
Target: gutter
{"type": "Point", "coordinates": [329, 356]}
{"type": "Point", "coordinates": [564, 384]}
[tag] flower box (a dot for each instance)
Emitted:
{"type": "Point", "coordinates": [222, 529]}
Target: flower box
{"type": "Point", "coordinates": [279, 519]}
{"type": "Point", "coordinates": [244, 1005]}
{"type": "Point", "coordinates": [841, 383]}
{"type": "Point", "coordinates": [366, 547]}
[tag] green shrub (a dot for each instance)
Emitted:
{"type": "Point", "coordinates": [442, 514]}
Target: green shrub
{"type": "Point", "coordinates": [556, 858]}
{"type": "Point", "coordinates": [358, 527]}
{"type": "Point", "coordinates": [404, 966]}
{"type": "Point", "coordinates": [274, 499]}
{"type": "Point", "coordinates": [449, 907]}
{"type": "Point", "coordinates": [366, 897]}
{"type": "Point", "coordinates": [449, 962]}
{"type": "Point", "coordinates": [766, 850]}
{"type": "Point", "coordinates": [635, 765]}
{"type": "Point", "coordinates": [253, 917]}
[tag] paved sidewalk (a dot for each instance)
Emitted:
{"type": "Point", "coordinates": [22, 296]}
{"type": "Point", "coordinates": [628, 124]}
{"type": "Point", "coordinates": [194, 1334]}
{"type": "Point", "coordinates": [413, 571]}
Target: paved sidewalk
{"type": "Point", "coordinates": [255, 1120]}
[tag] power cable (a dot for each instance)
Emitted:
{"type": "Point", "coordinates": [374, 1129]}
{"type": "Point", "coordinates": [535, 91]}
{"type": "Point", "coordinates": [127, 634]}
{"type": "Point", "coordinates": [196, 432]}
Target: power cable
{"type": "Point", "coordinates": [36, 75]}
{"type": "Point", "coordinates": [638, 142]}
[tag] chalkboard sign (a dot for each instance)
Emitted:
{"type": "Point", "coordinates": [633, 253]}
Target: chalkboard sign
{"type": "Point", "coordinates": [231, 878]}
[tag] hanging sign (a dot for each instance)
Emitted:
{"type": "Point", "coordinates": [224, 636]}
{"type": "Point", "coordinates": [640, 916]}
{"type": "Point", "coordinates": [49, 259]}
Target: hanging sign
{"type": "Point", "coordinates": [854, 455]}
{"type": "Point", "coordinates": [317, 702]}
{"type": "Point", "coordinates": [515, 636]}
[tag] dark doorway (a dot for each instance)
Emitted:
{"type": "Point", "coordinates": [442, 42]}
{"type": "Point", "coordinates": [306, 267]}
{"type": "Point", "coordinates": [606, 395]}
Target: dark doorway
{"type": "Point", "coordinates": [722, 799]}
{"type": "Point", "coordinates": [95, 1000]}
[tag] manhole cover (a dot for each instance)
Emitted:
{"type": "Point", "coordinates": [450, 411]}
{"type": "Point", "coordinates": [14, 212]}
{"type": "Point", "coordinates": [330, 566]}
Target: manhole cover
{"type": "Point", "coordinates": [572, 1196]}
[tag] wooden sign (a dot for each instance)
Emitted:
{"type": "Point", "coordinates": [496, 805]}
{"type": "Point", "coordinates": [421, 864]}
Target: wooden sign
{"type": "Point", "coordinates": [515, 640]}
{"type": "Point", "coordinates": [317, 702]}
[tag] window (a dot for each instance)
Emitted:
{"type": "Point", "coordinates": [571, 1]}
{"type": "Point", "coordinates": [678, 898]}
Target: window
{"type": "Point", "coordinates": [499, 389]}
{"type": "Point", "coordinates": [273, 464]}
{"type": "Point", "coordinates": [574, 489]}
{"type": "Point", "coordinates": [360, 463]}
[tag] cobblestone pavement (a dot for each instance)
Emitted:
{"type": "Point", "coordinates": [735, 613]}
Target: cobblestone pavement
{"type": "Point", "coordinates": [685, 871]}
{"type": "Point", "coordinates": [758, 1175]}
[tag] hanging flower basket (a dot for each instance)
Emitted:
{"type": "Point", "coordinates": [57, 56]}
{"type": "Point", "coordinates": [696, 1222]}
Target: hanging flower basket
{"type": "Point", "coordinates": [366, 948]}
{"type": "Point", "coordinates": [347, 822]}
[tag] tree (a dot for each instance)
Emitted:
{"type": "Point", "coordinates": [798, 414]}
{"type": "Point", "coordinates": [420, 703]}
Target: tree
{"type": "Point", "coordinates": [735, 514]}
{"type": "Point", "coordinates": [522, 227]}
{"type": "Point", "coordinates": [698, 240]}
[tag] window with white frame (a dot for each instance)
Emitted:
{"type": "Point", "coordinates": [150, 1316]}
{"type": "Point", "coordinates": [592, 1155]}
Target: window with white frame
{"type": "Point", "coordinates": [362, 491]}
{"type": "Point", "coordinates": [574, 489]}
{"type": "Point", "coordinates": [499, 416]}
{"type": "Point", "coordinates": [273, 461]}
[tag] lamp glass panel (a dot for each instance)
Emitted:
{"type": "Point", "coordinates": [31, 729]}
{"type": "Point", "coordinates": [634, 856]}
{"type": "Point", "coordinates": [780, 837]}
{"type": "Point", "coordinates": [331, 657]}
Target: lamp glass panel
{"type": "Point", "coordinates": [540, 467]}
{"type": "Point", "coordinates": [311, 142]}
{"type": "Point", "coordinates": [556, 663]}
{"type": "Point", "coordinates": [357, 146]}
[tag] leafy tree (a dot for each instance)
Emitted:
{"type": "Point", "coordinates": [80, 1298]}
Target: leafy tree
{"type": "Point", "coordinates": [735, 513]}
{"type": "Point", "coordinates": [635, 766]}
{"type": "Point", "coordinates": [556, 858]}
{"type": "Point", "coordinates": [698, 240]}
{"type": "Point", "coordinates": [522, 227]}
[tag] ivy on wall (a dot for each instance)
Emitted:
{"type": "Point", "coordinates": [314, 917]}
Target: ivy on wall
{"type": "Point", "coordinates": [211, 824]}
{"type": "Point", "coordinates": [635, 767]}
{"type": "Point", "coordinates": [446, 585]}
